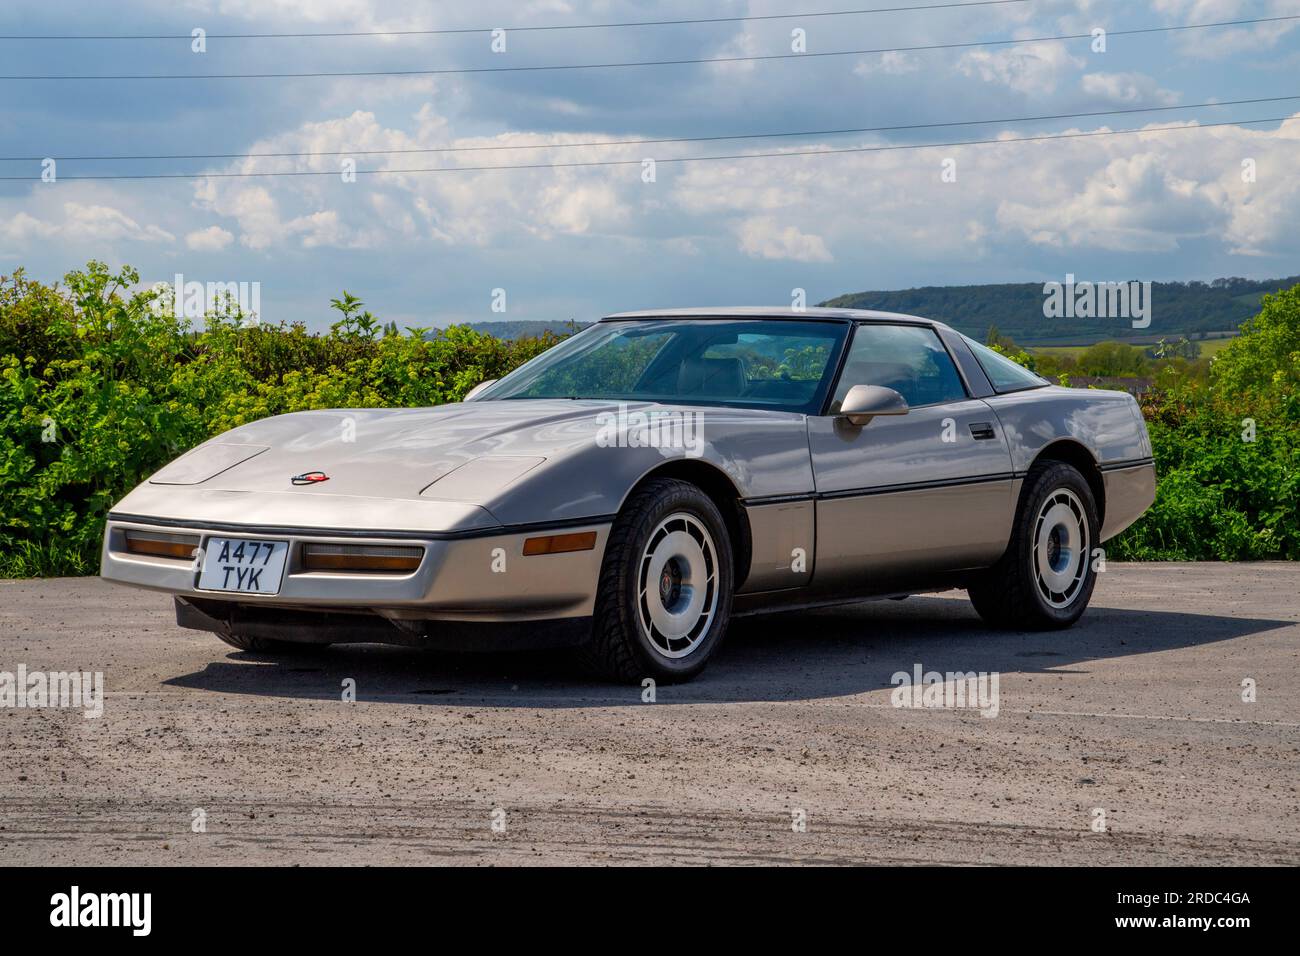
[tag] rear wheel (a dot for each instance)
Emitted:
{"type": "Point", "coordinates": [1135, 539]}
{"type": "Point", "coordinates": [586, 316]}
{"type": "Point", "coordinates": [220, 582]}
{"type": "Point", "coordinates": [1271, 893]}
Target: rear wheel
{"type": "Point", "coordinates": [664, 596]}
{"type": "Point", "coordinates": [1045, 579]}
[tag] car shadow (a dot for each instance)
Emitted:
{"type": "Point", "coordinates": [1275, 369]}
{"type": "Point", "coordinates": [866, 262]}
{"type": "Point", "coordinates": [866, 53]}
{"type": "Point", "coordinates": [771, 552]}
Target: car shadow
{"type": "Point", "coordinates": [781, 657]}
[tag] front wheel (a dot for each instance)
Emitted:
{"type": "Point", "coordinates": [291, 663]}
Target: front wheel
{"type": "Point", "coordinates": [664, 596]}
{"type": "Point", "coordinates": [1046, 577]}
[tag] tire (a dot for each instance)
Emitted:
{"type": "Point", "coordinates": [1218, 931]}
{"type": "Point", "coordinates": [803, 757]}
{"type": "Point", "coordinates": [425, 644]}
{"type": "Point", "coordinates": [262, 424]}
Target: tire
{"type": "Point", "coordinates": [663, 600]}
{"type": "Point", "coordinates": [1045, 579]}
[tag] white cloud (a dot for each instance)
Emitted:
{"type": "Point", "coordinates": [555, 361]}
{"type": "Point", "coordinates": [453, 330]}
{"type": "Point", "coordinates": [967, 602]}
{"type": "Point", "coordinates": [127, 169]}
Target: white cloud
{"type": "Point", "coordinates": [96, 223]}
{"type": "Point", "coordinates": [211, 239]}
{"type": "Point", "coordinates": [320, 229]}
{"type": "Point", "coordinates": [1222, 42]}
{"type": "Point", "coordinates": [1126, 89]}
{"type": "Point", "coordinates": [1157, 192]}
{"type": "Point", "coordinates": [763, 237]}
{"type": "Point", "coordinates": [1148, 192]}
{"type": "Point", "coordinates": [472, 206]}
{"type": "Point", "coordinates": [574, 208]}
{"type": "Point", "coordinates": [742, 44]}
{"type": "Point", "coordinates": [1032, 68]}
{"type": "Point", "coordinates": [345, 14]}
{"type": "Point", "coordinates": [888, 64]}
{"type": "Point", "coordinates": [1133, 204]}
{"type": "Point", "coordinates": [22, 227]}
{"type": "Point", "coordinates": [81, 223]}
{"type": "Point", "coordinates": [262, 226]}
{"type": "Point", "coordinates": [1174, 199]}
{"type": "Point", "coordinates": [257, 213]}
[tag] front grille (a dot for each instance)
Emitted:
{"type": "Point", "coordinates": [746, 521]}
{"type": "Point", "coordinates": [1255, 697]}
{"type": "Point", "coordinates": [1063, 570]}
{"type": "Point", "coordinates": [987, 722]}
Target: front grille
{"type": "Point", "coordinates": [361, 558]}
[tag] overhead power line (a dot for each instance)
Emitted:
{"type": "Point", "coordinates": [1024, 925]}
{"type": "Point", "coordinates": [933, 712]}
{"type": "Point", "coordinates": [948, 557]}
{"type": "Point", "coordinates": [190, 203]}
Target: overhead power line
{"type": "Point", "coordinates": [529, 29]}
{"type": "Point", "coordinates": [646, 63]}
{"type": "Point", "coordinates": [664, 140]}
{"type": "Point", "coordinates": [677, 159]}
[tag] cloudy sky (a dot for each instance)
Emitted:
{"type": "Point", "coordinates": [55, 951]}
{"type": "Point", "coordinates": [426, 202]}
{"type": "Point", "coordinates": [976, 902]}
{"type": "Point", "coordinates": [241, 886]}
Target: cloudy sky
{"type": "Point", "coordinates": [428, 248]}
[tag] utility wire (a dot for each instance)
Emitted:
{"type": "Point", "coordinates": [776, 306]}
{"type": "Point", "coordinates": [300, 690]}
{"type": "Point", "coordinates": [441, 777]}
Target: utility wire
{"type": "Point", "coordinates": [534, 29]}
{"type": "Point", "coordinates": [643, 63]}
{"type": "Point", "coordinates": [678, 159]}
{"type": "Point", "coordinates": [648, 142]}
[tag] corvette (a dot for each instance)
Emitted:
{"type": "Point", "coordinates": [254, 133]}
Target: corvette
{"type": "Point", "coordinates": [632, 489]}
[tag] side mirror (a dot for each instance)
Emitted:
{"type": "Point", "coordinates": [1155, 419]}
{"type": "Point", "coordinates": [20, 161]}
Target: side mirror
{"type": "Point", "coordinates": [478, 388]}
{"type": "Point", "coordinates": [865, 402]}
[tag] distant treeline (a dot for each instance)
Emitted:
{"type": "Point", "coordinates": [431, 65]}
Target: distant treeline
{"type": "Point", "coordinates": [98, 389]}
{"type": "Point", "coordinates": [1189, 309]}
{"type": "Point", "coordinates": [527, 329]}
{"type": "Point", "coordinates": [1016, 309]}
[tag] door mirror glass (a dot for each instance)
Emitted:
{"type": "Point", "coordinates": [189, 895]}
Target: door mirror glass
{"type": "Point", "coordinates": [865, 402]}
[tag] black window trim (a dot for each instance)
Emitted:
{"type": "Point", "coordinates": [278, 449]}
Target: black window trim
{"type": "Point", "coordinates": [972, 372]}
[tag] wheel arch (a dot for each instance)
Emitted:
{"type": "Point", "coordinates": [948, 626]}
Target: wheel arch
{"type": "Point", "coordinates": [720, 489]}
{"type": "Point", "coordinates": [1073, 453]}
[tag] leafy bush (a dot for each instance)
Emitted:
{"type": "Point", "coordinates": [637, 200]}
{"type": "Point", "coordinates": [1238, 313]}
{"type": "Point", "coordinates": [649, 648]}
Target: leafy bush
{"type": "Point", "coordinates": [1262, 365]}
{"type": "Point", "coordinates": [97, 391]}
{"type": "Point", "coordinates": [1219, 496]}
{"type": "Point", "coordinates": [1228, 452]}
{"type": "Point", "coordinates": [1113, 359]}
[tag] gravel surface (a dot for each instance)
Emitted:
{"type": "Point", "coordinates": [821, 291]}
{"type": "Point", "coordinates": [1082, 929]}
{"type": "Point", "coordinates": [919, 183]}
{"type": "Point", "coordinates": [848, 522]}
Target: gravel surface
{"type": "Point", "coordinates": [1137, 711]}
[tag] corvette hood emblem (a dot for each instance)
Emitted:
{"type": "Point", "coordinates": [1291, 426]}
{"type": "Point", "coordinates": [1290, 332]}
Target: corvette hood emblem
{"type": "Point", "coordinates": [310, 478]}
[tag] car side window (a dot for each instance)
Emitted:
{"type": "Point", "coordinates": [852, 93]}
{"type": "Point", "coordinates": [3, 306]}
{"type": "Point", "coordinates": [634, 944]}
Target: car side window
{"type": "Point", "coordinates": [1004, 374]}
{"type": "Point", "coordinates": [909, 359]}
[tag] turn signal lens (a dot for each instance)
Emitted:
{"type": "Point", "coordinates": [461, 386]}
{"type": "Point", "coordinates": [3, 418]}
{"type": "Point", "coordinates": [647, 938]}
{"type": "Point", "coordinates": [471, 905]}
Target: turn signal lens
{"type": "Point", "coordinates": [160, 544]}
{"type": "Point", "coordinates": [560, 543]}
{"type": "Point", "coordinates": [390, 559]}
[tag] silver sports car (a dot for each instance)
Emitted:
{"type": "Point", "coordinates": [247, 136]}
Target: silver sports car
{"type": "Point", "coordinates": [631, 490]}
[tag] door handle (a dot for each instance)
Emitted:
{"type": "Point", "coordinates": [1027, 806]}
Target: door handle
{"type": "Point", "coordinates": [982, 431]}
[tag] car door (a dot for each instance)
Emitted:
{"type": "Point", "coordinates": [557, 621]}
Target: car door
{"type": "Point", "coordinates": [927, 491]}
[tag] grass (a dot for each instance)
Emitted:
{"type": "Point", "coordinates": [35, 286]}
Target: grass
{"type": "Point", "coordinates": [32, 560]}
{"type": "Point", "coordinates": [1209, 348]}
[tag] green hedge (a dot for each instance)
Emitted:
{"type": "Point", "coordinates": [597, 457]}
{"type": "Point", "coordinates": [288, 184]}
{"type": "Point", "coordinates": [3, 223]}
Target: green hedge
{"type": "Point", "coordinates": [97, 392]}
{"type": "Point", "coordinates": [1228, 452]}
{"type": "Point", "coordinates": [1218, 496]}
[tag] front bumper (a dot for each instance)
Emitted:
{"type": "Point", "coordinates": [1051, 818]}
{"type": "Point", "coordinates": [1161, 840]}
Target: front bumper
{"type": "Point", "coordinates": [481, 577]}
{"type": "Point", "coordinates": [1130, 491]}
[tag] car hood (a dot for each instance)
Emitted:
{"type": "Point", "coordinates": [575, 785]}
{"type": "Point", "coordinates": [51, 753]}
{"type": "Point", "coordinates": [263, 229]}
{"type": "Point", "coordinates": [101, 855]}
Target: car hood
{"type": "Point", "coordinates": [462, 468]}
{"type": "Point", "coordinates": [391, 453]}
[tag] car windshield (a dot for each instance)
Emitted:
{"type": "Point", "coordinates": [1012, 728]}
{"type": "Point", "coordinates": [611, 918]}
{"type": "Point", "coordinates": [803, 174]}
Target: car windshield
{"type": "Point", "coordinates": [772, 364]}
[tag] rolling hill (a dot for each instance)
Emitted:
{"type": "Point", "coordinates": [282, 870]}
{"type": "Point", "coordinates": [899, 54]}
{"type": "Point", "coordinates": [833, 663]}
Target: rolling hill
{"type": "Point", "coordinates": [1177, 308]}
{"type": "Point", "coordinates": [1193, 309]}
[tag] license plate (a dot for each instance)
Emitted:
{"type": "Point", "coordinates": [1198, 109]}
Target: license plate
{"type": "Point", "coordinates": [243, 564]}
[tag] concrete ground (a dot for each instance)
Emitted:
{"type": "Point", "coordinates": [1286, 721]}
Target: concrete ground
{"type": "Point", "coordinates": [1136, 712]}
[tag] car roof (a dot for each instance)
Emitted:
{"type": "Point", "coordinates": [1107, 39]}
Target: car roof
{"type": "Point", "coordinates": [772, 312]}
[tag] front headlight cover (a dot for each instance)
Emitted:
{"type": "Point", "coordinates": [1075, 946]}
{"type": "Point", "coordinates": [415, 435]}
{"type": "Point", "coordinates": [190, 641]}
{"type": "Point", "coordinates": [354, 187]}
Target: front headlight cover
{"type": "Point", "coordinates": [207, 461]}
{"type": "Point", "coordinates": [481, 477]}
